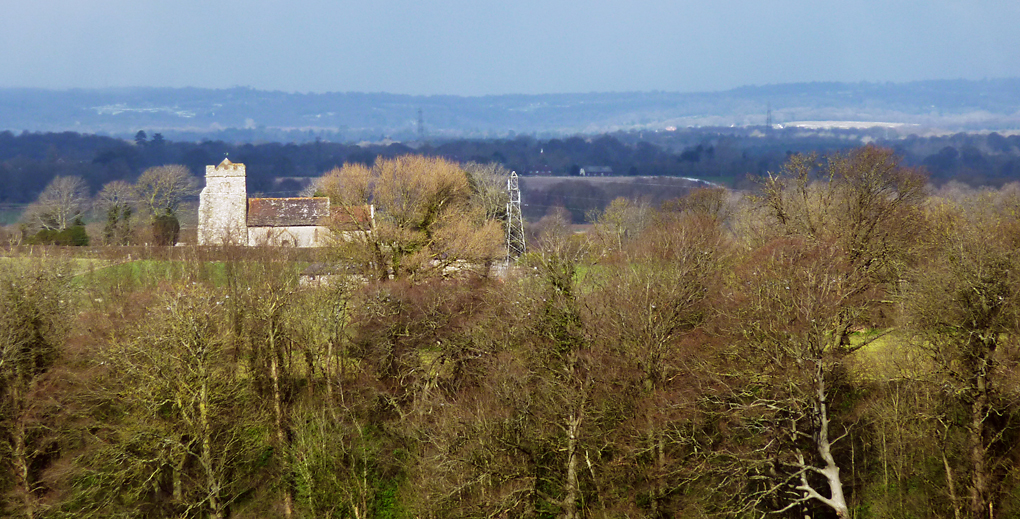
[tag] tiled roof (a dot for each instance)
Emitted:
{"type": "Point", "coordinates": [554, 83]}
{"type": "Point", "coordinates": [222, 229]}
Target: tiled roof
{"type": "Point", "coordinates": [287, 212]}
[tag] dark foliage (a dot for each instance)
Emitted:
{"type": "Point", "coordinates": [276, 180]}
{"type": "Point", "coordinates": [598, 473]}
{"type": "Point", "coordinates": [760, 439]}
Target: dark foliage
{"type": "Point", "coordinates": [72, 236]}
{"type": "Point", "coordinates": [165, 230]}
{"type": "Point", "coordinates": [28, 161]}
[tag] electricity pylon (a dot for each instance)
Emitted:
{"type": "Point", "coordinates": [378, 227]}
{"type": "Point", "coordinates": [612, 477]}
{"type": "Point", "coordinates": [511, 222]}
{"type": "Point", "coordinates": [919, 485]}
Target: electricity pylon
{"type": "Point", "coordinates": [514, 220]}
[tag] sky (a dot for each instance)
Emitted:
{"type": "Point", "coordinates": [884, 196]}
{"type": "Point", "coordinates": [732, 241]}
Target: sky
{"type": "Point", "coordinates": [482, 47]}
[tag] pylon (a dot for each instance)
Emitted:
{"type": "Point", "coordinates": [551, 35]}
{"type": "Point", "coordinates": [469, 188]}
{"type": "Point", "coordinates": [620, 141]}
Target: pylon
{"type": "Point", "coordinates": [514, 220]}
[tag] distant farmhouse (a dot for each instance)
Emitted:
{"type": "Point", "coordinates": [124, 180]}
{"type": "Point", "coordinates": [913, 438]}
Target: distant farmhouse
{"type": "Point", "coordinates": [226, 216]}
{"type": "Point", "coordinates": [596, 171]}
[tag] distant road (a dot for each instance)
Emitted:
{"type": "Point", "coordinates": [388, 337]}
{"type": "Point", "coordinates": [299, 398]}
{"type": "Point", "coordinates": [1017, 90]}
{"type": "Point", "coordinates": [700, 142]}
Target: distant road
{"type": "Point", "coordinates": [534, 182]}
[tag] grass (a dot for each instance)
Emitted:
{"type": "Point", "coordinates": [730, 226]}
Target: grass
{"type": "Point", "coordinates": [887, 354]}
{"type": "Point", "coordinates": [78, 266]}
{"type": "Point", "coordinates": [116, 268]}
{"type": "Point", "coordinates": [9, 216]}
{"type": "Point", "coordinates": [151, 273]}
{"type": "Point", "coordinates": [875, 339]}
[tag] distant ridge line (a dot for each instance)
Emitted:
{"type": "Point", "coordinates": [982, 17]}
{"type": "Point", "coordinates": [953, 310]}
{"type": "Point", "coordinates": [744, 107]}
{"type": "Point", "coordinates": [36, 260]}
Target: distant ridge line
{"type": "Point", "coordinates": [243, 113]}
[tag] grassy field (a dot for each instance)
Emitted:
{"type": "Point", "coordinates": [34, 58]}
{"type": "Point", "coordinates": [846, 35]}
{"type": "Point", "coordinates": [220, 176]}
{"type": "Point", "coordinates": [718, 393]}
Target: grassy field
{"type": "Point", "coordinates": [151, 273]}
{"type": "Point", "coordinates": [78, 266]}
{"type": "Point", "coordinates": [10, 214]}
{"type": "Point", "coordinates": [888, 354]}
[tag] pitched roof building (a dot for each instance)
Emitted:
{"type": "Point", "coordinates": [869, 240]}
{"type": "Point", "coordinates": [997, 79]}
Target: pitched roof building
{"type": "Point", "coordinates": [226, 216]}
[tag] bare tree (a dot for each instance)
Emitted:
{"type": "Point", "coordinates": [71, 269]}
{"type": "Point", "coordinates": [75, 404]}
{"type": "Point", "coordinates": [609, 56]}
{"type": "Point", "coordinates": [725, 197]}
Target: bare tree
{"type": "Point", "coordinates": [511, 416]}
{"type": "Point", "coordinates": [269, 292]}
{"type": "Point", "coordinates": [862, 202]}
{"type": "Point", "coordinates": [648, 308]}
{"type": "Point", "coordinates": [569, 380]}
{"type": "Point", "coordinates": [424, 217]}
{"type": "Point", "coordinates": [161, 189]}
{"type": "Point", "coordinates": [35, 302]}
{"type": "Point", "coordinates": [488, 184]}
{"type": "Point", "coordinates": [835, 235]}
{"type": "Point", "coordinates": [963, 306]}
{"type": "Point", "coordinates": [707, 202]}
{"type": "Point", "coordinates": [188, 402]}
{"type": "Point", "coordinates": [620, 224]}
{"type": "Point", "coordinates": [181, 430]}
{"type": "Point", "coordinates": [63, 202]}
{"type": "Point", "coordinates": [788, 303]}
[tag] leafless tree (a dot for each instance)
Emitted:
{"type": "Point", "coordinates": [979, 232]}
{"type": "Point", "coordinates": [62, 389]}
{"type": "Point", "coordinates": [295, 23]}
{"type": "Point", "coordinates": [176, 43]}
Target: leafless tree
{"type": "Point", "coordinates": [61, 203]}
{"type": "Point", "coordinates": [648, 308]}
{"type": "Point", "coordinates": [488, 184]}
{"type": "Point", "coordinates": [269, 288]}
{"type": "Point", "coordinates": [161, 189]}
{"type": "Point", "coordinates": [35, 303]}
{"type": "Point", "coordinates": [186, 427]}
{"type": "Point", "coordinates": [789, 301]}
{"type": "Point", "coordinates": [621, 223]}
{"type": "Point", "coordinates": [963, 306]}
{"type": "Point", "coordinates": [835, 235]}
{"type": "Point", "coordinates": [424, 217]}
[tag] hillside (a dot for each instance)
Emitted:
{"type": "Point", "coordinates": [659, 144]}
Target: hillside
{"type": "Point", "coordinates": [246, 115]}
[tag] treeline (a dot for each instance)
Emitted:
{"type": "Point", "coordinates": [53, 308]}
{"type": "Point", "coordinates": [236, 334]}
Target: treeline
{"type": "Point", "coordinates": [844, 343]}
{"type": "Point", "coordinates": [29, 161]}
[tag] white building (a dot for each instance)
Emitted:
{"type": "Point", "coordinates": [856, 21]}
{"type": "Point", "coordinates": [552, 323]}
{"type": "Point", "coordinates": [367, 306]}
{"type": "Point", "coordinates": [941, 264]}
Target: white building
{"type": "Point", "coordinates": [226, 216]}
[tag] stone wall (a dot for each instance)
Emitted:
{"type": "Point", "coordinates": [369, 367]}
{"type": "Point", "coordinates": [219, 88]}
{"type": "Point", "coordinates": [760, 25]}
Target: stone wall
{"type": "Point", "coordinates": [226, 216]}
{"type": "Point", "coordinates": [223, 206]}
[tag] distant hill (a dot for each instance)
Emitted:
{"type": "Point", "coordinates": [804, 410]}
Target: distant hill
{"type": "Point", "coordinates": [245, 115]}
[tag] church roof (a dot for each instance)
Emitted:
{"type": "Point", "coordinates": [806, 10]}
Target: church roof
{"type": "Point", "coordinates": [287, 212]}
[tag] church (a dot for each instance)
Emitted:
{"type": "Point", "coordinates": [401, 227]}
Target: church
{"type": "Point", "coordinates": [226, 216]}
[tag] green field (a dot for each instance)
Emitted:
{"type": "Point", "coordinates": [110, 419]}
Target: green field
{"type": "Point", "coordinates": [9, 216]}
{"type": "Point", "coordinates": [888, 355]}
{"type": "Point", "coordinates": [148, 273]}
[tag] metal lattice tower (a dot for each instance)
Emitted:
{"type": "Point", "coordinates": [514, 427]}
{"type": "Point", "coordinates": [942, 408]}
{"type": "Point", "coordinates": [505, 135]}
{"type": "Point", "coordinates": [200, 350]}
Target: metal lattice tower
{"type": "Point", "coordinates": [514, 220]}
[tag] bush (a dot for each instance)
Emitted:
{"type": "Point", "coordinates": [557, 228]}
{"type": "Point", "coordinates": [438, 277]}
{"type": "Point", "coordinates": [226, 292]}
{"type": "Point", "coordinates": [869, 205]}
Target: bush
{"type": "Point", "coordinates": [72, 236]}
{"type": "Point", "coordinates": [165, 230]}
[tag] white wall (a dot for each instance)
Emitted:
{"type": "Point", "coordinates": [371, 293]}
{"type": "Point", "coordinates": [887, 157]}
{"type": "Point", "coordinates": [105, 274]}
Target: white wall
{"type": "Point", "coordinates": [303, 236]}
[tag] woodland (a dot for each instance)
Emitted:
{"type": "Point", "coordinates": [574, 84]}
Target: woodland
{"type": "Point", "coordinates": [725, 156]}
{"type": "Point", "coordinates": [840, 342]}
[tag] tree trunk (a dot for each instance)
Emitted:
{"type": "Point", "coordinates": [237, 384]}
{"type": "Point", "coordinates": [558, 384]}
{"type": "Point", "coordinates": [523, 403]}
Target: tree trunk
{"type": "Point", "coordinates": [831, 471]}
{"type": "Point", "coordinates": [570, 500]}
{"type": "Point", "coordinates": [979, 504]}
{"type": "Point", "coordinates": [951, 486]}
{"type": "Point", "coordinates": [177, 480]}
{"type": "Point", "coordinates": [281, 435]}
{"type": "Point", "coordinates": [213, 484]}
{"type": "Point", "coordinates": [659, 450]}
{"type": "Point", "coordinates": [327, 376]}
{"type": "Point", "coordinates": [22, 481]}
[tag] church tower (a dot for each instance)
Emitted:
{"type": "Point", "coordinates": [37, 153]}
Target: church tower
{"type": "Point", "coordinates": [223, 206]}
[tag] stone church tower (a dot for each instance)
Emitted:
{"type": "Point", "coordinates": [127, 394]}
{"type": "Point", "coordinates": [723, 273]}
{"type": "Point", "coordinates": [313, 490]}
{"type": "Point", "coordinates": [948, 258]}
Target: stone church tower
{"type": "Point", "coordinates": [223, 206]}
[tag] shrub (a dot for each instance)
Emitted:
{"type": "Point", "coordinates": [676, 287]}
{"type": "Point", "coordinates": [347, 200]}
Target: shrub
{"type": "Point", "coordinates": [165, 230]}
{"type": "Point", "coordinates": [72, 236]}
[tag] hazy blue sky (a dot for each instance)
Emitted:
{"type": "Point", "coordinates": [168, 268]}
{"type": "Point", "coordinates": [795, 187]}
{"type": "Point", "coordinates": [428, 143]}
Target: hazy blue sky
{"type": "Point", "coordinates": [476, 47]}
